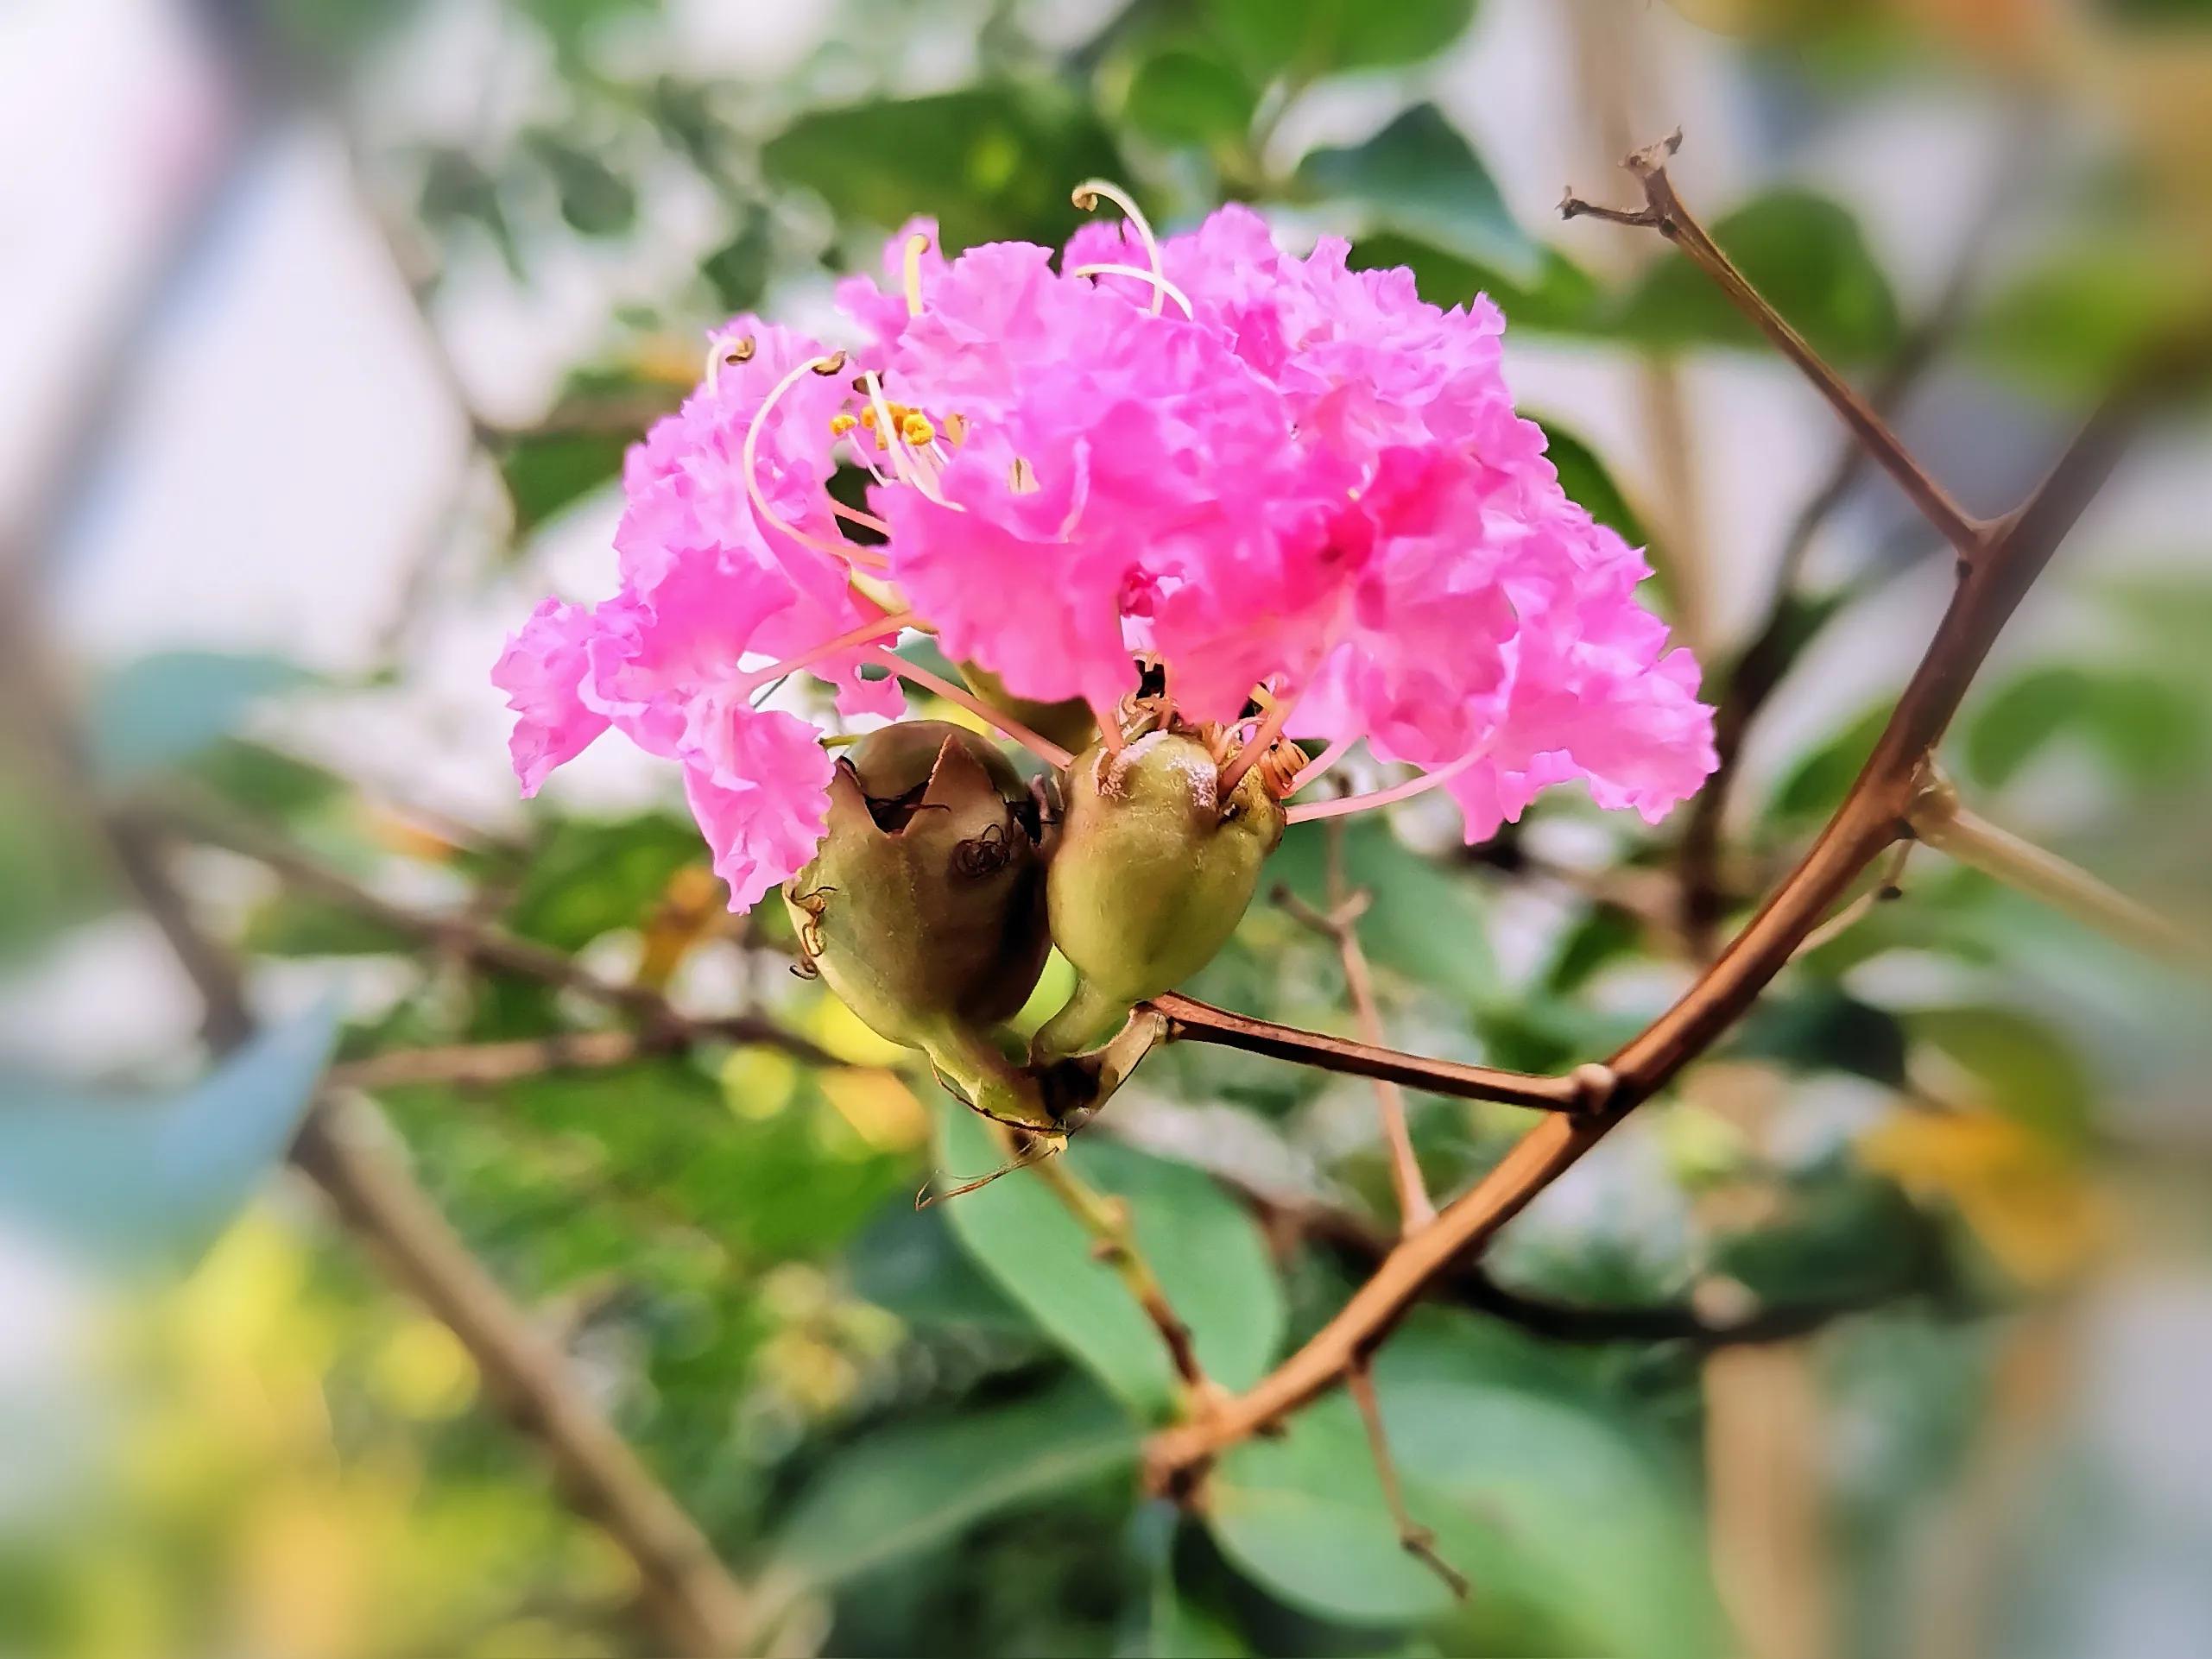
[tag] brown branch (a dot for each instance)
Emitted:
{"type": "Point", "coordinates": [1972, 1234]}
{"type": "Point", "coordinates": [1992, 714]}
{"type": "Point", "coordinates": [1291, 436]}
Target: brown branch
{"type": "Point", "coordinates": [1663, 212]}
{"type": "Point", "coordinates": [1339, 925]}
{"type": "Point", "coordinates": [691, 1597]}
{"type": "Point", "coordinates": [1871, 818]}
{"type": "Point", "coordinates": [468, 1064]}
{"type": "Point", "coordinates": [1106, 1220]}
{"type": "Point", "coordinates": [1419, 1543]}
{"type": "Point", "coordinates": [473, 939]}
{"type": "Point", "coordinates": [1192, 1021]}
{"type": "Point", "coordinates": [1791, 619]}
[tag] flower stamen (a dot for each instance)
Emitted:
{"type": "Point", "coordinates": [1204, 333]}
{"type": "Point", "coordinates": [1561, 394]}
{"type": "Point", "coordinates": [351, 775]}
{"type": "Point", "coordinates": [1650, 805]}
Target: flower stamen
{"type": "Point", "coordinates": [866, 633]}
{"type": "Point", "coordinates": [1160, 284]}
{"type": "Point", "coordinates": [917, 245]}
{"type": "Point", "coordinates": [1279, 712]}
{"type": "Point", "coordinates": [1043, 747]}
{"type": "Point", "coordinates": [1086, 196]}
{"type": "Point", "coordinates": [891, 437]}
{"type": "Point", "coordinates": [721, 355]}
{"type": "Point", "coordinates": [1405, 792]}
{"type": "Point", "coordinates": [750, 458]}
{"type": "Point", "coordinates": [1321, 762]}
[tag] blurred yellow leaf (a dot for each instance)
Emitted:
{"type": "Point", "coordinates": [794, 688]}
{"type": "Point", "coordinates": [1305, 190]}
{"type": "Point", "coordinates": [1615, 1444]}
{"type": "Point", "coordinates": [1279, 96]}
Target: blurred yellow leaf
{"type": "Point", "coordinates": [839, 1030]}
{"type": "Point", "coordinates": [692, 907]}
{"type": "Point", "coordinates": [759, 1082]}
{"type": "Point", "coordinates": [422, 1372]}
{"type": "Point", "coordinates": [882, 1109]}
{"type": "Point", "coordinates": [2031, 1207]}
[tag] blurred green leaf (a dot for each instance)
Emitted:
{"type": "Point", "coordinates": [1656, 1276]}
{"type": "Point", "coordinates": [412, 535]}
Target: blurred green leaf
{"type": "Point", "coordinates": [1306, 39]}
{"type": "Point", "coordinates": [2031, 1071]}
{"type": "Point", "coordinates": [738, 270]}
{"type": "Point", "coordinates": [1805, 254]}
{"type": "Point", "coordinates": [1207, 1252]}
{"type": "Point", "coordinates": [547, 471]}
{"type": "Point", "coordinates": [1183, 94]}
{"type": "Point", "coordinates": [1420, 177]}
{"type": "Point", "coordinates": [1588, 482]}
{"type": "Point", "coordinates": [917, 1487]}
{"type": "Point", "coordinates": [1817, 784]}
{"type": "Point", "coordinates": [1560, 298]}
{"type": "Point", "coordinates": [1424, 920]}
{"type": "Point", "coordinates": [990, 163]}
{"type": "Point", "coordinates": [1843, 1236]}
{"type": "Point", "coordinates": [908, 1262]}
{"type": "Point", "coordinates": [594, 199]}
{"type": "Point", "coordinates": [1544, 1500]}
{"type": "Point", "coordinates": [2149, 731]}
{"type": "Point", "coordinates": [267, 783]}
{"type": "Point", "coordinates": [163, 710]}
{"type": "Point", "coordinates": [587, 878]}
{"type": "Point", "coordinates": [2073, 326]}
{"type": "Point", "coordinates": [456, 190]}
{"type": "Point", "coordinates": [148, 1181]}
{"type": "Point", "coordinates": [1821, 1029]}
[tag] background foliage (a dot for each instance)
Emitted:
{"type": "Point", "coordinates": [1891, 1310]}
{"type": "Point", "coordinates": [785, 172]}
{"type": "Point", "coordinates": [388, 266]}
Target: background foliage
{"type": "Point", "coordinates": [918, 1432]}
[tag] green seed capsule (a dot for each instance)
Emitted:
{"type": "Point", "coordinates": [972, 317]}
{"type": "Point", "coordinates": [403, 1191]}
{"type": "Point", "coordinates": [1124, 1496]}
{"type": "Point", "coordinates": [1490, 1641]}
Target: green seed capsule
{"type": "Point", "coordinates": [923, 909]}
{"type": "Point", "coordinates": [1154, 871]}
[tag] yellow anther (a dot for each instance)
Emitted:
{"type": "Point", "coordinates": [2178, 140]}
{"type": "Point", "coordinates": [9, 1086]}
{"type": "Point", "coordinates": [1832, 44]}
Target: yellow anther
{"type": "Point", "coordinates": [841, 424]}
{"type": "Point", "coordinates": [868, 417]}
{"type": "Point", "coordinates": [914, 427]}
{"type": "Point", "coordinates": [956, 428]}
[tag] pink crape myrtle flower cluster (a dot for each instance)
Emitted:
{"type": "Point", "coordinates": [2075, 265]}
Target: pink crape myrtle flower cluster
{"type": "Point", "coordinates": [1293, 487]}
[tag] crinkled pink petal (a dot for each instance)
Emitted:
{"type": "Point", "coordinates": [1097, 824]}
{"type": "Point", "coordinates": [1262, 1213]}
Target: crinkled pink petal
{"type": "Point", "coordinates": [759, 786]}
{"type": "Point", "coordinates": [542, 672]}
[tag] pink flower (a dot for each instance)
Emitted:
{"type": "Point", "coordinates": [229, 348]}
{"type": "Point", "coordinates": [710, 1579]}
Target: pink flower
{"type": "Point", "coordinates": [542, 673]}
{"type": "Point", "coordinates": [1268, 476]}
{"type": "Point", "coordinates": [759, 784]}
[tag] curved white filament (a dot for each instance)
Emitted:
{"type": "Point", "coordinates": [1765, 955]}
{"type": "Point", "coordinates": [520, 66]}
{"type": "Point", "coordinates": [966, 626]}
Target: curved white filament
{"type": "Point", "coordinates": [1160, 284]}
{"type": "Point", "coordinates": [1086, 196]}
{"type": "Point", "coordinates": [749, 464]}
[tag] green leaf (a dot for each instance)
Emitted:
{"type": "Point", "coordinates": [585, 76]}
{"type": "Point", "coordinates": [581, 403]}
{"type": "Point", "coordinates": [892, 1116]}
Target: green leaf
{"type": "Point", "coordinates": [916, 1487]}
{"type": "Point", "coordinates": [1588, 482]}
{"type": "Point", "coordinates": [2033, 1074]}
{"type": "Point", "coordinates": [1420, 178]}
{"type": "Point", "coordinates": [1840, 1237]}
{"type": "Point", "coordinates": [1423, 920]}
{"type": "Point", "coordinates": [2151, 733]}
{"type": "Point", "coordinates": [585, 878]}
{"type": "Point", "coordinates": [594, 198]}
{"type": "Point", "coordinates": [1180, 95]}
{"type": "Point", "coordinates": [546, 472]}
{"type": "Point", "coordinates": [908, 1262]}
{"type": "Point", "coordinates": [738, 270]}
{"type": "Point", "coordinates": [1817, 784]}
{"type": "Point", "coordinates": [165, 708]}
{"type": "Point", "coordinates": [990, 163]}
{"type": "Point", "coordinates": [1302, 40]}
{"type": "Point", "coordinates": [136, 1183]}
{"type": "Point", "coordinates": [1561, 299]}
{"type": "Point", "coordinates": [1546, 1500]}
{"type": "Point", "coordinates": [1805, 254]}
{"type": "Point", "coordinates": [1209, 1255]}
{"type": "Point", "coordinates": [2072, 327]}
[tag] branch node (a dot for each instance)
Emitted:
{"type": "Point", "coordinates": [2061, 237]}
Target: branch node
{"type": "Point", "coordinates": [1595, 1084]}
